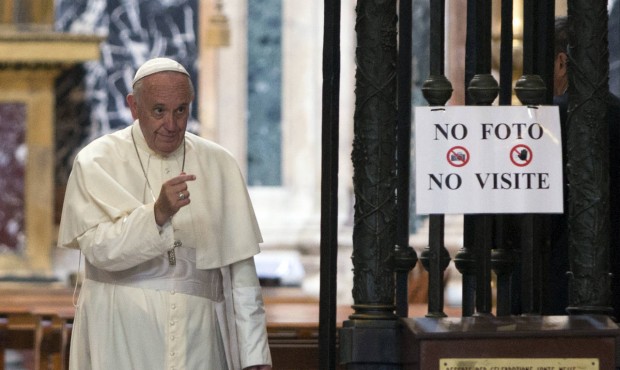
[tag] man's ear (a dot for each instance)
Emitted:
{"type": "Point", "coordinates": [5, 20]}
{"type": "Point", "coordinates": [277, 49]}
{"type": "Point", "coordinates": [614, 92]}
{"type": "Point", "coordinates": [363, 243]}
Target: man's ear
{"type": "Point", "coordinates": [133, 105]}
{"type": "Point", "coordinates": [561, 61]}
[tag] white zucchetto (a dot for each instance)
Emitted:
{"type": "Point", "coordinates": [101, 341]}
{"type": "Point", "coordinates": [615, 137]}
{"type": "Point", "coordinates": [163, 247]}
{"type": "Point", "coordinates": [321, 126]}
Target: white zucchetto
{"type": "Point", "coordinates": [157, 65]}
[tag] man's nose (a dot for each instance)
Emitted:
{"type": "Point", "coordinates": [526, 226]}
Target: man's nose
{"type": "Point", "coordinates": [169, 122]}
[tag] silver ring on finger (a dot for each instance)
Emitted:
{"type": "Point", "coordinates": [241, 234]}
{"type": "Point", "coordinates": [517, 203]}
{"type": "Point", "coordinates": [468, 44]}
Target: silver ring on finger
{"type": "Point", "coordinates": [181, 195]}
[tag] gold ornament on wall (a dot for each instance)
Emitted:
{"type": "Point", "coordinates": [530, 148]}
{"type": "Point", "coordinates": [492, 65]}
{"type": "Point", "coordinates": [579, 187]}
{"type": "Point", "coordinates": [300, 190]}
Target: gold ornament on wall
{"type": "Point", "coordinates": [218, 28]}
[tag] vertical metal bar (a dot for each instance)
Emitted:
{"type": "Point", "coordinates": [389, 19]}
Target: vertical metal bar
{"type": "Point", "coordinates": [543, 66]}
{"type": "Point", "coordinates": [484, 302]}
{"type": "Point", "coordinates": [545, 35]}
{"type": "Point", "coordinates": [530, 90]}
{"type": "Point", "coordinates": [483, 63]}
{"type": "Point", "coordinates": [588, 158]}
{"type": "Point", "coordinates": [471, 43]}
{"type": "Point", "coordinates": [528, 291]}
{"type": "Point", "coordinates": [528, 284]}
{"type": "Point", "coordinates": [529, 51]}
{"type": "Point", "coordinates": [483, 89]}
{"type": "Point", "coordinates": [505, 54]}
{"type": "Point", "coordinates": [437, 45]}
{"type": "Point", "coordinates": [437, 90]}
{"type": "Point", "coordinates": [502, 256]}
{"type": "Point", "coordinates": [465, 260]}
{"type": "Point", "coordinates": [502, 261]}
{"type": "Point", "coordinates": [405, 256]}
{"type": "Point", "coordinates": [329, 185]}
{"type": "Point", "coordinates": [465, 263]}
{"type": "Point", "coordinates": [436, 262]}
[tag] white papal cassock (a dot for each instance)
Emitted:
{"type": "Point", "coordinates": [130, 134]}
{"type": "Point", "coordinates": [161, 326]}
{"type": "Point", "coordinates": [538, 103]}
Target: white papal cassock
{"type": "Point", "coordinates": [136, 310]}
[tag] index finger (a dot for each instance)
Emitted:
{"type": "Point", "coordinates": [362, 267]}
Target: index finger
{"type": "Point", "coordinates": [183, 177]}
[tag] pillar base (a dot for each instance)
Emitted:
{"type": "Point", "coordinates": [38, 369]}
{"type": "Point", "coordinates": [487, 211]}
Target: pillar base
{"type": "Point", "coordinates": [370, 344]}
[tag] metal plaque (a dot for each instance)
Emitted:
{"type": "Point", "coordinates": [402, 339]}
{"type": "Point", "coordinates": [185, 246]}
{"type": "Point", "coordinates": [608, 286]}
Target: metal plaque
{"type": "Point", "coordinates": [519, 364]}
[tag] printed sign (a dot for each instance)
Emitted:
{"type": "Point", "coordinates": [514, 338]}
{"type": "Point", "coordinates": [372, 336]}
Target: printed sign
{"type": "Point", "coordinates": [471, 159]}
{"type": "Point", "coordinates": [519, 364]}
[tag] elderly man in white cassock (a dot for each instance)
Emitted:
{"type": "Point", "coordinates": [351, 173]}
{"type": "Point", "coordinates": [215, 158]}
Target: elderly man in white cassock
{"type": "Point", "coordinates": [168, 234]}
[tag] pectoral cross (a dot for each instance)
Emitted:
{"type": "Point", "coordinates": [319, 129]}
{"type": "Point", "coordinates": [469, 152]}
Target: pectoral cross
{"type": "Point", "coordinates": [172, 258]}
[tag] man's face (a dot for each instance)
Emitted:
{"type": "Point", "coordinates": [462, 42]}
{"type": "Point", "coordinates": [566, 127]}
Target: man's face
{"type": "Point", "coordinates": [162, 105]}
{"type": "Point", "coordinates": [560, 74]}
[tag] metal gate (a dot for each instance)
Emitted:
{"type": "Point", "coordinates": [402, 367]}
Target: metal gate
{"type": "Point", "coordinates": [515, 247]}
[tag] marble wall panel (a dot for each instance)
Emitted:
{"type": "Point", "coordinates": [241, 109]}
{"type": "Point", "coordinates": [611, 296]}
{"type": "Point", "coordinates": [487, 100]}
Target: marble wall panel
{"type": "Point", "coordinates": [265, 92]}
{"type": "Point", "coordinates": [136, 31]}
{"type": "Point", "coordinates": [13, 155]}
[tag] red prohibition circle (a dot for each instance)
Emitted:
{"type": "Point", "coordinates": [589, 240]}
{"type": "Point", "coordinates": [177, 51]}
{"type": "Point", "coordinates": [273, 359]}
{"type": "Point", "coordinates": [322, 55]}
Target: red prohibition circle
{"type": "Point", "coordinates": [521, 155]}
{"type": "Point", "coordinates": [457, 156]}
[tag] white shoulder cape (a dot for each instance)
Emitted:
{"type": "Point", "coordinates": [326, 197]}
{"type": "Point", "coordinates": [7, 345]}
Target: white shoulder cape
{"type": "Point", "coordinates": [107, 183]}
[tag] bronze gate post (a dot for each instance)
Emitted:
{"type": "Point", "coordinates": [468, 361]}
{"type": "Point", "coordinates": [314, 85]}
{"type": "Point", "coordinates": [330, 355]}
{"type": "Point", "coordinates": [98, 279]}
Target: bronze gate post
{"type": "Point", "coordinates": [369, 339]}
{"type": "Point", "coordinates": [588, 158]}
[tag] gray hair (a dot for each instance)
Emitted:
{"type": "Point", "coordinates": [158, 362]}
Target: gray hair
{"type": "Point", "coordinates": [561, 35]}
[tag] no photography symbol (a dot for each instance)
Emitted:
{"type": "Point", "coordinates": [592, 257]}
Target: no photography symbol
{"type": "Point", "coordinates": [457, 156]}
